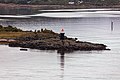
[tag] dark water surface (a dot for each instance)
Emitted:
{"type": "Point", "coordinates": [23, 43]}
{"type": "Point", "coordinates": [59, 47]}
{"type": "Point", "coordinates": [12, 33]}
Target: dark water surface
{"type": "Point", "coordinates": [86, 25]}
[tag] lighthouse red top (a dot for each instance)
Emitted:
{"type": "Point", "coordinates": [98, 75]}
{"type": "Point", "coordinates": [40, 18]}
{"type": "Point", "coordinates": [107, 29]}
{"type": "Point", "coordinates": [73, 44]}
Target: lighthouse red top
{"type": "Point", "coordinates": [62, 30]}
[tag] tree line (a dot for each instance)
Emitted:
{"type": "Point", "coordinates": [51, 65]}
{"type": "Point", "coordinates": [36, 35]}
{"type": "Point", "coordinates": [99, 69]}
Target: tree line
{"type": "Point", "coordinates": [35, 1]}
{"type": "Point", "coordinates": [97, 2]}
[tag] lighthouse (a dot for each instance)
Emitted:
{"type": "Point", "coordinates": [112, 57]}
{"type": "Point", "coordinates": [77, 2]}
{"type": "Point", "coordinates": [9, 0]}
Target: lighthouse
{"type": "Point", "coordinates": [62, 34]}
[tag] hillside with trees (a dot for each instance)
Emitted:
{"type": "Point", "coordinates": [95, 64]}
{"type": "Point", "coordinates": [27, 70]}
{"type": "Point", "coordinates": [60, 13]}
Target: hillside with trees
{"type": "Point", "coordinates": [63, 2]}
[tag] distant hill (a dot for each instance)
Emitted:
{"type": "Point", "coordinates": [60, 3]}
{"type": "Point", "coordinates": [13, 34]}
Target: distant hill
{"type": "Point", "coordinates": [64, 2]}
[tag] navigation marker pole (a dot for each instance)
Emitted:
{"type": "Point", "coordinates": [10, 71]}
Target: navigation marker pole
{"type": "Point", "coordinates": [111, 25]}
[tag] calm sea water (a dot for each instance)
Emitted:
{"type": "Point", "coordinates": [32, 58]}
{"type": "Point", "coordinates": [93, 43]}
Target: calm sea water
{"type": "Point", "coordinates": [91, 25]}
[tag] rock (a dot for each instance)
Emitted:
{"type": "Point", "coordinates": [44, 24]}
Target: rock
{"type": "Point", "coordinates": [51, 41]}
{"type": "Point", "coordinates": [23, 49]}
{"type": "Point", "coordinates": [55, 44]}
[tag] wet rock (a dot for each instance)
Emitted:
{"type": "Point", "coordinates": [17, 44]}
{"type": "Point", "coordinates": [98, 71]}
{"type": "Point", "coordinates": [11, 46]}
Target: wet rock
{"type": "Point", "coordinates": [56, 44]}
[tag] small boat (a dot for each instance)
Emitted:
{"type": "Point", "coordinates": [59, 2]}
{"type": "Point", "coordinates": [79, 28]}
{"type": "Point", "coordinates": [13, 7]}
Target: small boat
{"type": "Point", "coordinates": [23, 49]}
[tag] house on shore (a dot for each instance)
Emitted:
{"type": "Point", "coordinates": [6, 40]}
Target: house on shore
{"type": "Point", "coordinates": [74, 2]}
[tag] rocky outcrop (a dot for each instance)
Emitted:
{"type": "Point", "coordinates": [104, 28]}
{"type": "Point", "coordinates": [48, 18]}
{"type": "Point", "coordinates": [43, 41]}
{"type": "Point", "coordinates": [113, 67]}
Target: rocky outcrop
{"type": "Point", "coordinates": [48, 40]}
{"type": "Point", "coordinates": [56, 44]}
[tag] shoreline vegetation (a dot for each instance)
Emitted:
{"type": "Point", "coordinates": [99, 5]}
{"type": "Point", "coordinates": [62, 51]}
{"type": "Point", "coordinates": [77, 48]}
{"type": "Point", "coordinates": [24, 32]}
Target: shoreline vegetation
{"type": "Point", "coordinates": [44, 39]}
{"type": "Point", "coordinates": [48, 7]}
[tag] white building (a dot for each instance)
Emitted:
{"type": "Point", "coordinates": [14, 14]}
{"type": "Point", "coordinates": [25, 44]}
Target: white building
{"type": "Point", "coordinates": [71, 2]}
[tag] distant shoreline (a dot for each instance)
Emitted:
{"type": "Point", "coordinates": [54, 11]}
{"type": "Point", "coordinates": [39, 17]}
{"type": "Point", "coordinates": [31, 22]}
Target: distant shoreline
{"type": "Point", "coordinates": [48, 7]}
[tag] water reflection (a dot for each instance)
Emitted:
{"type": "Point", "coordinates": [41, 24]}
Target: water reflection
{"type": "Point", "coordinates": [62, 60]}
{"type": "Point", "coordinates": [62, 63]}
